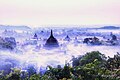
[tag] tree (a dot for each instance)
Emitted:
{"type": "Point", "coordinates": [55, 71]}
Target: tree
{"type": "Point", "coordinates": [35, 77]}
{"type": "Point", "coordinates": [91, 56]}
{"type": "Point", "coordinates": [75, 60]}
{"type": "Point", "coordinates": [31, 70]}
{"type": "Point", "coordinates": [113, 63]}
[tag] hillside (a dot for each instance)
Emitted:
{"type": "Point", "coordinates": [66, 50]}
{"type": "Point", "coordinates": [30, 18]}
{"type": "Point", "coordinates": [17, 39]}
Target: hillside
{"type": "Point", "coordinates": [109, 27]}
{"type": "Point", "coordinates": [9, 27]}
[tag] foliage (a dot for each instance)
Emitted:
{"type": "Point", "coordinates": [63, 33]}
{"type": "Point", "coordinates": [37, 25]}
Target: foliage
{"type": "Point", "coordinates": [91, 56]}
{"type": "Point", "coordinates": [113, 63]}
{"type": "Point", "coordinates": [35, 77]}
{"type": "Point", "coordinates": [31, 70]}
{"type": "Point", "coordinates": [14, 75]}
{"type": "Point", "coordinates": [75, 60]}
{"type": "Point", "coordinates": [92, 66]}
{"type": "Point", "coordinates": [7, 43]}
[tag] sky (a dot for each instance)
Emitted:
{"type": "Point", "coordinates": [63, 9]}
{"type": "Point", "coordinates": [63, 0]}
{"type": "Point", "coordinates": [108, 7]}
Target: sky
{"type": "Point", "coordinates": [59, 12]}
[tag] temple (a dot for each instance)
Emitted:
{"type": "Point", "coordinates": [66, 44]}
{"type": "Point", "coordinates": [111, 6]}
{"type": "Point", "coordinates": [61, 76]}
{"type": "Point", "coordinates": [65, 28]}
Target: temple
{"type": "Point", "coordinates": [35, 36]}
{"type": "Point", "coordinates": [51, 41]}
{"type": "Point", "coordinates": [67, 38]}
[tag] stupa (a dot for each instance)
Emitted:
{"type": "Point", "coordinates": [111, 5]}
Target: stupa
{"type": "Point", "coordinates": [67, 38]}
{"type": "Point", "coordinates": [35, 36]}
{"type": "Point", "coordinates": [51, 41]}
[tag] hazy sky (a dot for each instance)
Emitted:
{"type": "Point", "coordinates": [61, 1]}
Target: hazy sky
{"type": "Point", "coordinates": [64, 12]}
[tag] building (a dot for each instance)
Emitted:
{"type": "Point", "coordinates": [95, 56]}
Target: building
{"type": "Point", "coordinates": [51, 41]}
{"type": "Point", "coordinates": [35, 36]}
{"type": "Point", "coordinates": [67, 38]}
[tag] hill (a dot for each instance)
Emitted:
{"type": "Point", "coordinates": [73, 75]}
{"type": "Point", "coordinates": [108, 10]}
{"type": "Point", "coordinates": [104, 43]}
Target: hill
{"type": "Point", "coordinates": [109, 27]}
{"type": "Point", "coordinates": [9, 27]}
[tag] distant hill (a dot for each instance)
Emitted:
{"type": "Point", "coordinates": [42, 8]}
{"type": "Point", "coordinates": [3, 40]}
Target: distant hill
{"type": "Point", "coordinates": [9, 27]}
{"type": "Point", "coordinates": [109, 27]}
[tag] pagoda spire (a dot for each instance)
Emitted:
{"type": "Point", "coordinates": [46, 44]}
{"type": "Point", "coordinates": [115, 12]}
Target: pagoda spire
{"type": "Point", "coordinates": [51, 33]}
{"type": "Point", "coordinates": [51, 41]}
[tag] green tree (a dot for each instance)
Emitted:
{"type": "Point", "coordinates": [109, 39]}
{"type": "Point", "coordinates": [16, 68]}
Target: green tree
{"type": "Point", "coordinates": [35, 77]}
{"type": "Point", "coordinates": [91, 56]}
{"type": "Point", "coordinates": [113, 63]}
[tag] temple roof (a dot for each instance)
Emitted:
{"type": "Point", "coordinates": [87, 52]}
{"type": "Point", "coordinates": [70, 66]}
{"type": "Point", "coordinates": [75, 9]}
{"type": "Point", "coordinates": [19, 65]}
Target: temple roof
{"type": "Point", "coordinates": [51, 41]}
{"type": "Point", "coordinates": [35, 36]}
{"type": "Point", "coordinates": [67, 38]}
